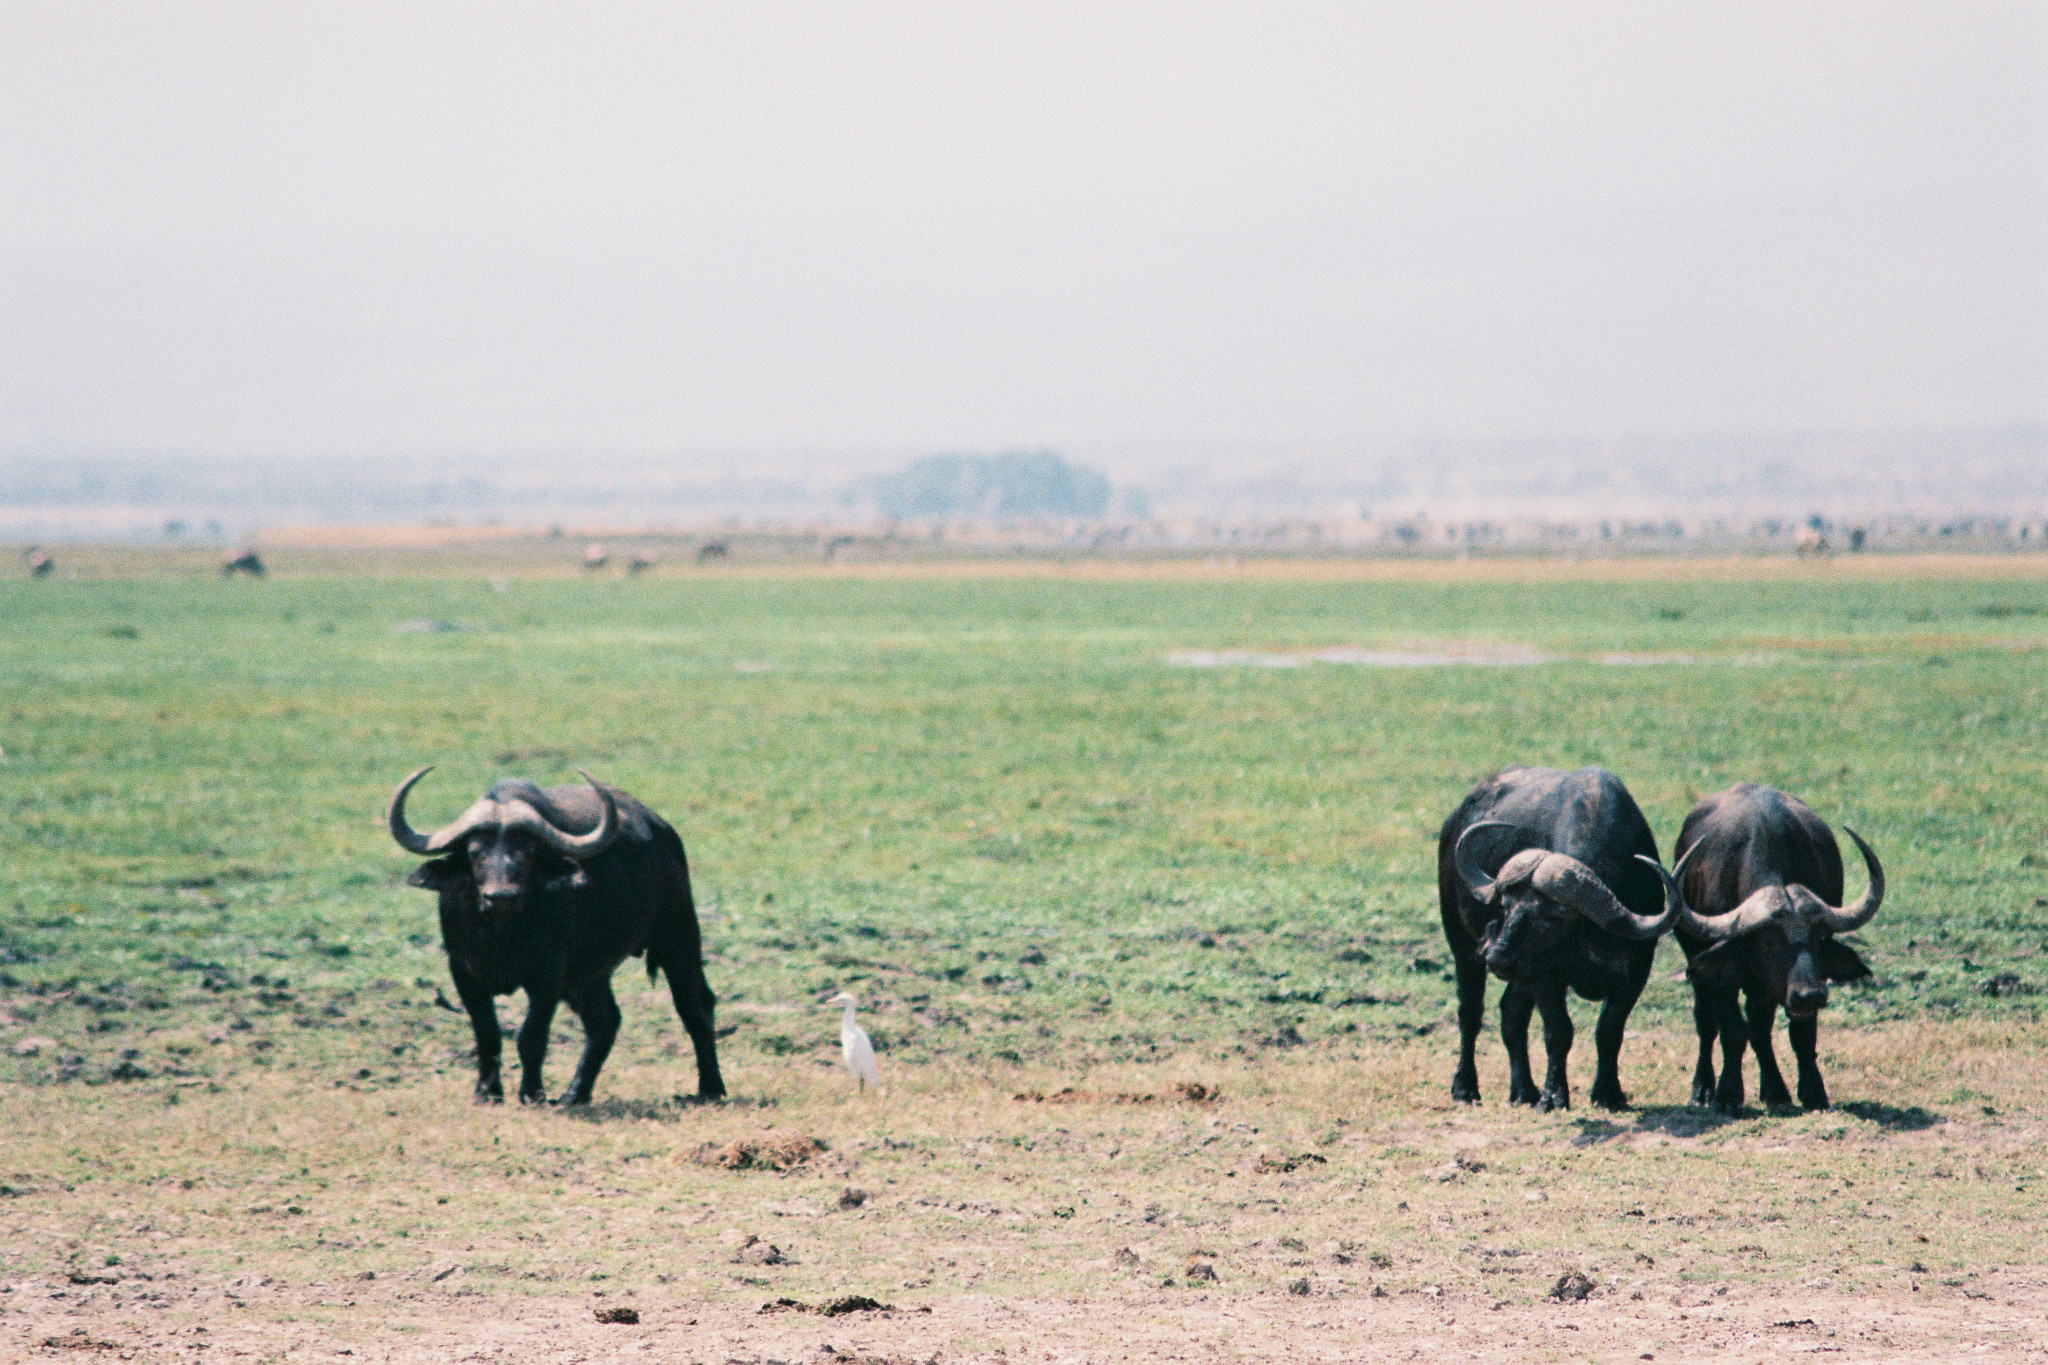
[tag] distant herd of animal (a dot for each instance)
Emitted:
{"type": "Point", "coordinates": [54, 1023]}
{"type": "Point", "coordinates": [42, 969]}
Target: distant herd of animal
{"type": "Point", "coordinates": [1549, 880]}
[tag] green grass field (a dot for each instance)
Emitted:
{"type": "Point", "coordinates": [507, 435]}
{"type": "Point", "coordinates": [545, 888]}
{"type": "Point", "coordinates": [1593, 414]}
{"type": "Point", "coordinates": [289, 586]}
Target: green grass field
{"type": "Point", "coordinates": [1042, 849]}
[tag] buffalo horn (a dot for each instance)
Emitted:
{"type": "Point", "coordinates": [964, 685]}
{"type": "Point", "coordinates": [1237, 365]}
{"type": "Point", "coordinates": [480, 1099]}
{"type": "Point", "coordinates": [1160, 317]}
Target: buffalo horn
{"type": "Point", "coordinates": [1852, 917]}
{"type": "Point", "coordinates": [1571, 883]}
{"type": "Point", "coordinates": [409, 839]}
{"type": "Point", "coordinates": [1767, 903]}
{"type": "Point", "coordinates": [1466, 856]}
{"type": "Point", "coordinates": [483, 812]}
{"type": "Point", "coordinates": [1763, 905]}
{"type": "Point", "coordinates": [580, 846]}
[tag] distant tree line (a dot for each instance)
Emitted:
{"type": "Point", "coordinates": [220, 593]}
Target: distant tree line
{"type": "Point", "coordinates": [1015, 484]}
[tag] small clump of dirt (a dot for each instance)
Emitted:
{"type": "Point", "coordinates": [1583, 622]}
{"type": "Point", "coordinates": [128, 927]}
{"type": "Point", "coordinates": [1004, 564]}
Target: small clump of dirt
{"type": "Point", "coordinates": [1072, 1096]}
{"type": "Point", "coordinates": [1186, 1092]}
{"type": "Point", "coordinates": [831, 1308]}
{"type": "Point", "coordinates": [1457, 1168]}
{"type": "Point", "coordinates": [769, 1152]}
{"type": "Point", "coordinates": [852, 1197]}
{"type": "Point", "coordinates": [1199, 1272]}
{"type": "Point", "coordinates": [1571, 1287]}
{"type": "Point", "coordinates": [1127, 1258]}
{"type": "Point", "coordinates": [628, 1316]}
{"type": "Point", "coordinates": [1285, 1164]}
{"type": "Point", "coordinates": [79, 1341]}
{"type": "Point", "coordinates": [754, 1251]}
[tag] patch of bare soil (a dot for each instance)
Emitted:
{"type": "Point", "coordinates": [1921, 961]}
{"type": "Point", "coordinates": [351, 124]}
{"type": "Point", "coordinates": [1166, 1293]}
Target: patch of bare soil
{"type": "Point", "coordinates": [47, 1318]}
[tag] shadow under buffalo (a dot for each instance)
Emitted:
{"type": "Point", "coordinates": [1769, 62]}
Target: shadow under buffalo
{"type": "Point", "coordinates": [1910, 1119]}
{"type": "Point", "coordinates": [1685, 1120]}
{"type": "Point", "coordinates": [1691, 1121]}
{"type": "Point", "coordinates": [1668, 1120]}
{"type": "Point", "coordinates": [610, 1110]}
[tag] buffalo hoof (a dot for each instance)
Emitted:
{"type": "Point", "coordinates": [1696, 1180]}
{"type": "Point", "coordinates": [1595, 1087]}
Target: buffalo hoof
{"type": "Point", "coordinates": [1774, 1097]}
{"type": "Point", "coordinates": [1555, 1099]}
{"type": "Point", "coordinates": [1465, 1090]}
{"type": "Point", "coordinates": [1613, 1100]}
{"type": "Point", "coordinates": [1817, 1099]}
{"type": "Point", "coordinates": [1524, 1094]}
{"type": "Point", "coordinates": [483, 1096]}
{"type": "Point", "coordinates": [1703, 1093]}
{"type": "Point", "coordinates": [1728, 1106]}
{"type": "Point", "coordinates": [573, 1099]}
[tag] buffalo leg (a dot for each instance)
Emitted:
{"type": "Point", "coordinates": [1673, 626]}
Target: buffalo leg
{"type": "Point", "coordinates": [1557, 1044]}
{"type": "Point", "coordinates": [693, 1001]}
{"type": "Point", "coordinates": [533, 1045]}
{"type": "Point", "coordinates": [1805, 1034]}
{"type": "Point", "coordinates": [1607, 1036]}
{"type": "Point", "coordinates": [483, 1020]}
{"type": "Point", "coordinates": [599, 1012]}
{"type": "Point", "coordinates": [1770, 1082]}
{"type": "Point", "coordinates": [679, 957]}
{"type": "Point", "coordinates": [1706, 1021]}
{"type": "Point", "coordinates": [1471, 1015]}
{"type": "Point", "coordinates": [1517, 1003]}
{"type": "Point", "coordinates": [1726, 1002]}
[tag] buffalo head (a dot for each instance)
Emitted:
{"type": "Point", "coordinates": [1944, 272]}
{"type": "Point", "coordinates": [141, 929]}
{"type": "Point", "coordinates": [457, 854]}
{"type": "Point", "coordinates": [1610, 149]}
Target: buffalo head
{"type": "Point", "coordinates": [503, 839]}
{"type": "Point", "coordinates": [1537, 898]}
{"type": "Point", "coordinates": [1797, 929]}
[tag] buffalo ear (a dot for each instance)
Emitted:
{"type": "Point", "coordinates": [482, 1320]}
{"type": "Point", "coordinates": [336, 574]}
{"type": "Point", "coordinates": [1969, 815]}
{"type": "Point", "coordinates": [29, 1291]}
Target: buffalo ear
{"type": "Point", "coordinates": [439, 874]}
{"type": "Point", "coordinates": [1839, 962]}
{"type": "Point", "coordinates": [1716, 964]}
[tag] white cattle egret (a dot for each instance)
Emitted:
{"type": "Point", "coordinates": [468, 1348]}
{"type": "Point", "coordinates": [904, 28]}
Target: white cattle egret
{"type": "Point", "coordinates": [854, 1044]}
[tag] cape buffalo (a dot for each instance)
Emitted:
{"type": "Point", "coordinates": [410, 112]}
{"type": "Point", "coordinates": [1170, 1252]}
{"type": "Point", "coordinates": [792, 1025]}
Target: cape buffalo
{"type": "Point", "coordinates": [1575, 899]}
{"type": "Point", "coordinates": [547, 891]}
{"type": "Point", "coordinates": [1762, 877]}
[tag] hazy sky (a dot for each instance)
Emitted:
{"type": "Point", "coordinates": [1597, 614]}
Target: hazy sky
{"type": "Point", "coordinates": [854, 227]}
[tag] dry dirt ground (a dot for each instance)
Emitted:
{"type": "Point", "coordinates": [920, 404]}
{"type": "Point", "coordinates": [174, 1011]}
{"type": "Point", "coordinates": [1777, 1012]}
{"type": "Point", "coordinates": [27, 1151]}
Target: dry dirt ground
{"type": "Point", "coordinates": [1315, 1212]}
{"type": "Point", "coordinates": [47, 1318]}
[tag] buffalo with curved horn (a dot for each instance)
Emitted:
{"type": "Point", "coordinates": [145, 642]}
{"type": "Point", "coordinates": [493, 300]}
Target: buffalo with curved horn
{"type": "Point", "coordinates": [1576, 901]}
{"type": "Point", "coordinates": [1761, 877]}
{"type": "Point", "coordinates": [547, 890]}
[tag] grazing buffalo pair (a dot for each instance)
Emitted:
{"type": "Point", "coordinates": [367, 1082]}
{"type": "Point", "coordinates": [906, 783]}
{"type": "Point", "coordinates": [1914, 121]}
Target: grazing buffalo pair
{"type": "Point", "coordinates": [1550, 880]}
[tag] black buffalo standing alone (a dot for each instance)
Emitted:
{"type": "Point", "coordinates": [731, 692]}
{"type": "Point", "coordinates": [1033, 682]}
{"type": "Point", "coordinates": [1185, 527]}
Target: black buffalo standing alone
{"type": "Point", "coordinates": [547, 891]}
{"type": "Point", "coordinates": [1762, 880]}
{"type": "Point", "coordinates": [1575, 898]}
